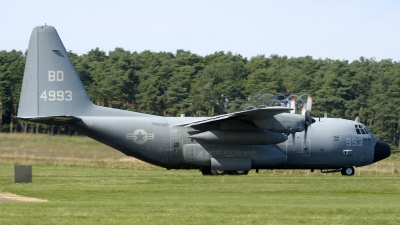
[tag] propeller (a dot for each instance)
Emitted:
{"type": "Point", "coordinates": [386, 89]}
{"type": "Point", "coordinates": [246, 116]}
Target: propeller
{"type": "Point", "coordinates": [308, 120]}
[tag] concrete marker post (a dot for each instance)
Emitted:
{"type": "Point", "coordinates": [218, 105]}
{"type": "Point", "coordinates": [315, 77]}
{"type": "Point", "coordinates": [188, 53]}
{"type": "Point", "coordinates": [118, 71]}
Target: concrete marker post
{"type": "Point", "coordinates": [22, 174]}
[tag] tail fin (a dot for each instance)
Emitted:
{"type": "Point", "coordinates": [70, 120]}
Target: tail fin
{"type": "Point", "coordinates": [51, 85]}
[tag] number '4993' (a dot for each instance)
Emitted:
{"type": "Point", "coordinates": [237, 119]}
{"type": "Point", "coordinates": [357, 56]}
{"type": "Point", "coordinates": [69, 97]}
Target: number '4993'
{"type": "Point", "coordinates": [56, 96]}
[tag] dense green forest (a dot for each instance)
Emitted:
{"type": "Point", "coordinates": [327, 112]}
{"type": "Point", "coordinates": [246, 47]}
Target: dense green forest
{"type": "Point", "coordinates": [170, 84]}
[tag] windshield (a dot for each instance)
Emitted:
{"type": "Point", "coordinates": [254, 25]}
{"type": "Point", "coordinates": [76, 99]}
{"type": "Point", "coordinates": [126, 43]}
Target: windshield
{"type": "Point", "coordinates": [372, 136]}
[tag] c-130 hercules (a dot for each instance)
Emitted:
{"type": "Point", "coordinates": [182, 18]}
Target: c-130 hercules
{"type": "Point", "coordinates": [268, 138]}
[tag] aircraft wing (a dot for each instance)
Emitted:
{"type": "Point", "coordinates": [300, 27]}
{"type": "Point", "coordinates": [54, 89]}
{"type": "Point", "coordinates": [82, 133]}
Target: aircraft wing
{"type": "Point", "coordinates": [247, 115]}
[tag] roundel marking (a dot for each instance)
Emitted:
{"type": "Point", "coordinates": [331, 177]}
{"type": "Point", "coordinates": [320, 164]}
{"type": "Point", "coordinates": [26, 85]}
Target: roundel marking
{"type": "Point", "coordinates": [140, 136]}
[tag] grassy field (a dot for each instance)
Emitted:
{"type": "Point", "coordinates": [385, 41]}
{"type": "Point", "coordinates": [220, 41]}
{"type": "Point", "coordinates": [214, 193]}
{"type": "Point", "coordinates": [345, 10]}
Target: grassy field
{"type": "Point", "coordinates": [98, 195]}
{"type": "Point", "coordinates": [62, 150]}
{"type": "Point", "coordinates": [88, 182]}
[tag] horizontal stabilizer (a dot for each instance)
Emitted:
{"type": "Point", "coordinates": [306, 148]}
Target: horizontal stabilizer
{"type": "Point", "coordinates": [47, 119]}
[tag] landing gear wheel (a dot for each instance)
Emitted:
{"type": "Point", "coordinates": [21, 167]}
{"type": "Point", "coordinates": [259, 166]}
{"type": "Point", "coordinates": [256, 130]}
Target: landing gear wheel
{"type": "Point", "coordinates": [240, 172]}
{"type": "Point", "coordinates": [347, 171]}
{"type": "Point", "coordinates": [217, 172]}
{"type": "Point", "coordinates": [206, 171]}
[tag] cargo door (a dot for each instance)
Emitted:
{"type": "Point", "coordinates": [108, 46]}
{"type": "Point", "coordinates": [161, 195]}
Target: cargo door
{"type": "Point", "coordinates": [175, 147]}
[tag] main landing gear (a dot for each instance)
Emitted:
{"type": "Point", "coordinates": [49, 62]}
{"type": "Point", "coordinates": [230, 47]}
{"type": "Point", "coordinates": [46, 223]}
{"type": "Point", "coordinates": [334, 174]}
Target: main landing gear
{"type": "Point", "coordinates": [345, 171]}
{"type": "Point", "coordinates": [208, 171]}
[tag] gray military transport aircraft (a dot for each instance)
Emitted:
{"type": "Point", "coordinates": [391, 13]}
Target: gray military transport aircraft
{"type": "Point", "coordinates": [234, 143]}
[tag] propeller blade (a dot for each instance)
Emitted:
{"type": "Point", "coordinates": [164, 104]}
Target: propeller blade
{"type": "Point", "coordinates": [303, 110]}
{"type": "Point", "coordinates": [307, 122]}
{"type": "Point", "coordinates": [308, 119]}
{"type": "Point", "coordinates": [309, 103]}
{"type": "Point", "coordinates": [293, 106]}
{"type": "Point", "coordinates": [293, 142]}
{"type": "Point", "coordinates": [305, 140]}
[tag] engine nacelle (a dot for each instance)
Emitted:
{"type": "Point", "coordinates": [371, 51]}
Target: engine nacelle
{"type": "Point", "coordinates": [284, 123]}
{"type": "Point", "coordinates": [249, 137]}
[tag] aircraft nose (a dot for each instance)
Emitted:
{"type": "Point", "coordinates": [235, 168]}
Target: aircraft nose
{"type": "Point", "coordinates": [382, 151]}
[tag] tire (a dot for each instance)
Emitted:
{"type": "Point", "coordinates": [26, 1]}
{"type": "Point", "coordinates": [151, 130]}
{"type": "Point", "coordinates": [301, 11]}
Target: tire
{"type": "Point", "coordinates": [347, 171]}
{"type": "Point", "coordinates": [217, 172]}
{"type": "Point", "coordinates": [240, 172]}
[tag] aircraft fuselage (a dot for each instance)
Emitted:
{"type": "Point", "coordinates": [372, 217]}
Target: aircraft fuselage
{"type": "Point", "coordinates": [156, 140]}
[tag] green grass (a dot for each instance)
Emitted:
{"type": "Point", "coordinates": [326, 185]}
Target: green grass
{"type": "Point", "coordinates": [95, 195]}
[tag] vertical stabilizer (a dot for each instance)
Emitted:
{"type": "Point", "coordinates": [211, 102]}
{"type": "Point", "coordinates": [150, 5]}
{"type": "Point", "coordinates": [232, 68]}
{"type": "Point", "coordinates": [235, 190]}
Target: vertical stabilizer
{"type": "Point", "coordinates": [51, 85]}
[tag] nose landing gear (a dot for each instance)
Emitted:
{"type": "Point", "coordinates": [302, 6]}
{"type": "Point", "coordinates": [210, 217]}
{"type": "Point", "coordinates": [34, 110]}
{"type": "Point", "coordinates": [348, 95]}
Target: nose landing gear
{"type": "Point", "coordinates": [347, 171]}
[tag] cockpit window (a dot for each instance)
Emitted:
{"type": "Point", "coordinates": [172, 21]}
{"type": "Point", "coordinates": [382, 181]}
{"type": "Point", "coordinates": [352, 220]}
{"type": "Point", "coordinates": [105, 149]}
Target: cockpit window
{"type": "Point", "coordinates": [366, 128]}
{"type": "Point", "coordinates": [360, 129]}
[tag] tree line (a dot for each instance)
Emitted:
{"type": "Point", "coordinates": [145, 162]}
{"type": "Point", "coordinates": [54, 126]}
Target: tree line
{"type": "Point", "coordinates": [171, 84]}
